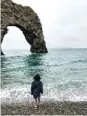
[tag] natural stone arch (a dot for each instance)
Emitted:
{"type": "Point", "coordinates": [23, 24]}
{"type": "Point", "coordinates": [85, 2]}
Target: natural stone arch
{"type": "Point", "coordinates": [26, 20]}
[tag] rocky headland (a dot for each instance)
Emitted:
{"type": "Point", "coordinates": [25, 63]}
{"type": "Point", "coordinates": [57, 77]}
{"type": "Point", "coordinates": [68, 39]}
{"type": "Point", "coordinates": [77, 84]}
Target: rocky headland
{"type": "Point", "coordinates": [27, 21]}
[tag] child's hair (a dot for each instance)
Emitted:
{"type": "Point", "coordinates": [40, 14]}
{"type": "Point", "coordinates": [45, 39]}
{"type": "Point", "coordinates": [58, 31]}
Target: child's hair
{"type": "Point", "coordinates": [37, 77]}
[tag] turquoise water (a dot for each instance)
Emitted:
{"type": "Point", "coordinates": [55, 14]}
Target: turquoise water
{"type": "Point", "coordinates": [63, 73]}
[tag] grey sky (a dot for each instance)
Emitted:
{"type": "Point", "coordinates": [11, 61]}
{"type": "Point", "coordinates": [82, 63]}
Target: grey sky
{"type": "Point", "coordinates": [64, 21]}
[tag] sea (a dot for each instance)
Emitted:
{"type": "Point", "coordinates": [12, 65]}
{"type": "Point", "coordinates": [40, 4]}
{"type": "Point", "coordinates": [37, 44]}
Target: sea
{"type": "Point", "coordinates": [63, 73]}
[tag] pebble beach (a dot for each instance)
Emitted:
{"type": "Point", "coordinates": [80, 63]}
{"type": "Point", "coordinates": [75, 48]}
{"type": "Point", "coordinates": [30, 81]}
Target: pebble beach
{"type": "Point", "coordinates": [45, 108]}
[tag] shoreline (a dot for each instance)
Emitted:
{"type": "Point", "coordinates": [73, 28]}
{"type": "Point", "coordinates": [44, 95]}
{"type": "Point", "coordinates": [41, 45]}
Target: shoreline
{"type": "Point", "coordinates": [46, 108]}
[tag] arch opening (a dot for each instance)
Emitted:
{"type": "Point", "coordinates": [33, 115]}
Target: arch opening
{"type": "Point", "coordinates": [14, 41]}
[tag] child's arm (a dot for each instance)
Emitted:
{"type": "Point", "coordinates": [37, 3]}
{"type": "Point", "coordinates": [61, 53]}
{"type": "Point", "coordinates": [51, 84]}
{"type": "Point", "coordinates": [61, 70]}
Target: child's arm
{"type": "Point", "coordinates": [32, 88]}
{"type": "Point", "coordinates": [41, 88]}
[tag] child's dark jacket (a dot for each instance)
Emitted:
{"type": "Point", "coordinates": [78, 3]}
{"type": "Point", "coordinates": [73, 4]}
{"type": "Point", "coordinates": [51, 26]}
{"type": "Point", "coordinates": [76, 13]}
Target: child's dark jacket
{"type": "Point", "coordinates": [36, 89]}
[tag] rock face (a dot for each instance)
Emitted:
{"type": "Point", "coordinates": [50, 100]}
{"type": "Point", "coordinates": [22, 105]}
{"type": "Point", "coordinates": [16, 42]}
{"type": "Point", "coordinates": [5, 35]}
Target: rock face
{"type": "Point", "coordinates": [2, 53]}
{"type": "Point", "coordinates": [26, 20]}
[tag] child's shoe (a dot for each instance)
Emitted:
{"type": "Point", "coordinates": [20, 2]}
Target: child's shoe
{"type": "Point", "coordinates": [35, 106]}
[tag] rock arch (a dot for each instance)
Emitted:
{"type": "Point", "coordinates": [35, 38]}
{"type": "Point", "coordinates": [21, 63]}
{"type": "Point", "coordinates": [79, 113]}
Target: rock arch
{"type": "Point", "coordinates": [26, 20]}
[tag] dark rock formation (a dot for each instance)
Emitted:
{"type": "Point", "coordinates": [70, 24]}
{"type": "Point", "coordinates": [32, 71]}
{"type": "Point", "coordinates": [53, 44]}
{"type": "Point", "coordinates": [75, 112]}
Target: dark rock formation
{"type": "Point", "coordinates": [26, 20]}
{"type": "Point", "coordinates": [2, 53]}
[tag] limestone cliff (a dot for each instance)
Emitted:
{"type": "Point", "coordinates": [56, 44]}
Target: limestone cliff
{"type": "Point", "coordinates": [27, 20]}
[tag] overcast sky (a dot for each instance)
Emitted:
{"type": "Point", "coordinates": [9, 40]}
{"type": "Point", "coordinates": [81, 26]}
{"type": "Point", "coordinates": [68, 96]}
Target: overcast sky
{"type": "Point", "coordinates": [64, 24]}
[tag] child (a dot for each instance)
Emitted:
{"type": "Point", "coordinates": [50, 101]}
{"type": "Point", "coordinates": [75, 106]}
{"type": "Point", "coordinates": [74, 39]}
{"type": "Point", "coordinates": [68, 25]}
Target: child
{"type": "Point", "coordinates": [36, 89]}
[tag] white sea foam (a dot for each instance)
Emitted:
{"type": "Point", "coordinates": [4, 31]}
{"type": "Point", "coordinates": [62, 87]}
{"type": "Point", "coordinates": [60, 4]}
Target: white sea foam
{"type": "Point", "coordinates": [15, 95]}
{"type": "Point", "coordinates": [19, 94]}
